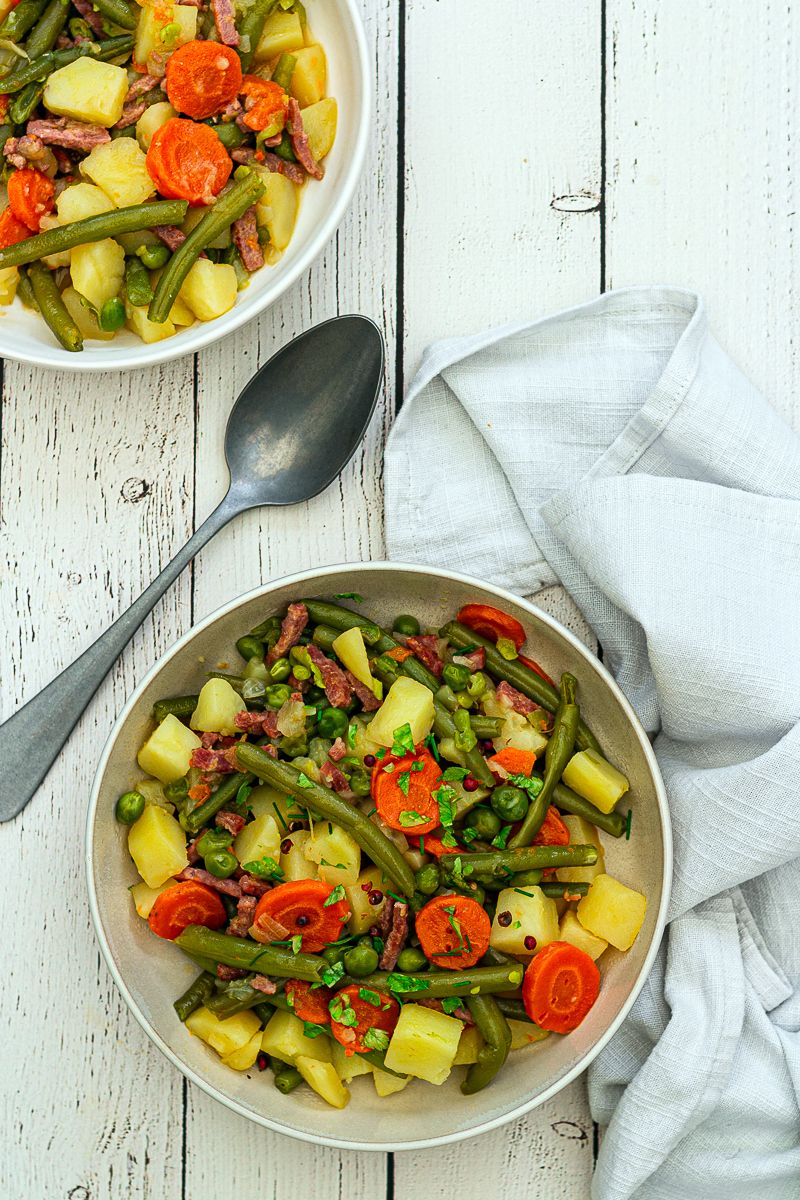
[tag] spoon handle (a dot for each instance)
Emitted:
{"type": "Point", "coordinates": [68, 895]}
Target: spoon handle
{"type": "Point", "coordinates": [32, 739]}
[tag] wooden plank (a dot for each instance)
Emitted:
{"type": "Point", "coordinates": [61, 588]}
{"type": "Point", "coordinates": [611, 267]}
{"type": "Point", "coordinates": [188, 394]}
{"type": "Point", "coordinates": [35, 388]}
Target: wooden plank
{"type": "Point", "coordinates": [96, 475]}
{"type": "Point", "coordinates": [702, 188]}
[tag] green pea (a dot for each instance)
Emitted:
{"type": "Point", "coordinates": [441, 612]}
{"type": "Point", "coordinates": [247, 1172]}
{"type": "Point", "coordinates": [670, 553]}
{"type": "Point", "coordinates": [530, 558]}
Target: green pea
{"type": "Point", "coordinates": [176, 792]}
{"type": "Point", "coordinates": [411, 960]}
{"type": "Point", "coordinates": [455, 676]}
{"type": "Point", "coordinates": [510, 803]}
{"type": "Point", "coordinates": [314, 695]}
{"type": "Point", "coordinates": [427, 879]}
{"type": "Point", "coordinates": [477, 685]}
{"type": "Point", "coordinates": [212, 841]}
{"type": "Point", "coordinates": [301, 672]}
{"type": "Point", "coordinates": [112, 315]}
{"type": "Point", "coordinates": [280, 670]}
{"type": "Point", "coordinates": [130, 807]}
{"type": "Point", "coordinates": [485, 822]}
{"type": "Point", "coordinates": [287, 1080]}
{"type": "Point", "coordinates": [464, 700]}
{"type": "Point", "coordinates": [408, 626]}
{"type": "Point", "coordinates": [333, 955]}
{"type": "Point", "coordinates": [250, 647]}
{"type": "Point", "coordinates": [360, 961]}
{"type": "Point", "coordinates": [277, 694]}
{"type": "Point", "coordinates": [221, 863]}
{"type": "Point", "coordinates": [294, 747]}
{"type": "Point", "coordinates": [360, 782]}
{"type": "Point", "coordinates": [332, 723]}
{"type": "Point", "coordinates": [153, 257]}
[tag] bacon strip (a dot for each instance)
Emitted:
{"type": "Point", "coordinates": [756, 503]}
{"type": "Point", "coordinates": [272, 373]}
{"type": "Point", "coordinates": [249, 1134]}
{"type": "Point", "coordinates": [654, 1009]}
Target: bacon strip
{"type": "Point", "coordinates": [224, 19]}
{"type": "Point", "coordinates": [30, 151]}
{"type": "Point", "coordinates": [228, 973]}
{"type": "Point", "coordinates": [337, 750]}
{"type": "Point", "coordinates": [369, 701]}
{"type": "Point", "coordinates": [63, 131]}
{"type": "Point", "coordinates": [292, 626]}
{"type": "Point", "coordinates": [336, 684]}
{"type": "Point", "coordinates": [229, 887]}
{"type": "Point", "coordinates": [276, 164]}
{"type": "Point", "coordinates": [258, 722]}
{"type": "Point", "coordinates": [245, 237]}
{"type": "Point", "coordinates": [331, 775]}
{"type": "Point", "coordinates": [212, 760]}
{"type": "Point", "coordinates": [131, 113]}
{"type": "Point", "coordinates": [251, 886]}
{"type": "Point", "coordinates": [141, 86]}
{"type": "Point", "coordinates": [92, 18]}
{"type": "Point", "coordinates": [170, 235]}
{"type": "Point", "coordinates": [426, 648]}
{"type": "Point", "coordinates": [475, 660]}
{"type": "Point", "coordinates": [262, 984]}
{"type": "Point", "coordinates": [230, 821]}
{"type": "Point", "coordinates": [397, 937]}
{"type": "Point", "coordinates": [245, 911]}
{"type": "Point", "coordinates": [299, 140]}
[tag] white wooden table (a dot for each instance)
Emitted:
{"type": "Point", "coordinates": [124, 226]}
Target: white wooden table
{"type": "Point", "coordinates": [525, 156]}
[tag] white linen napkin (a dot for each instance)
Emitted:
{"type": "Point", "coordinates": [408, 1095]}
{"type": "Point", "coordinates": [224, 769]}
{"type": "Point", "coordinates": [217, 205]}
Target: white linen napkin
{"type": "Point", "coordinates": [614, 447]}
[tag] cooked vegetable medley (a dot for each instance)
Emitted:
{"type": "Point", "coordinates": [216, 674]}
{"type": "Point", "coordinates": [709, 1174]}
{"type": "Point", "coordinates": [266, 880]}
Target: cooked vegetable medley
{"type": "Point", "coordinates": [122, 123]}
{"type": "Point", "coordinates": [382, 850]}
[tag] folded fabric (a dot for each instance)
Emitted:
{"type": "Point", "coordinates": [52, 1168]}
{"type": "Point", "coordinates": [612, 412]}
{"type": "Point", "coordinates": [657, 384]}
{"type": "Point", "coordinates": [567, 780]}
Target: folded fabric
{"type": "Point", "coordinates": [615, 448]}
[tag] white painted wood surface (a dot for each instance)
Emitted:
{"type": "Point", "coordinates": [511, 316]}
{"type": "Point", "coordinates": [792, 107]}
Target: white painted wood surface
{"type": "Point", "coordinates": [623, 141]}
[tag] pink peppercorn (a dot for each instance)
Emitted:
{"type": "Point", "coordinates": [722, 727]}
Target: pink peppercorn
{"type": "Point", "coordinates": [470, 784]}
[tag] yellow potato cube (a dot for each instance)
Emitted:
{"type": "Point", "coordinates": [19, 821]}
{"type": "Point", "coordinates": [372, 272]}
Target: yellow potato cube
{"type": "Point", "coordinates": [386, 1084]}
{"type": "Point", "coordinates": [283, 1038]}
{"type": "Point", "coordinates": [349, 1067]}
{"type": "Point", "coordinates": [227, 1036]}
{"type": "Point", "coordinates": [282, 34]}
{"type": "Point", "coordinates": [573, 932]}
{"type": "Point", "coordinates": [350, 648]}
{"type": "Point", "coordinates": [217, 706]}
{"type": "Point", "coordinates": [167, 752]}
{"type": "Point", "coordinates": [83, 316]}
{"type": "Point", "coordinates": [243, 1058]}
{"type": "Point", "coordinates": [259, 839]}
{"type": "Point", "coordinates": [265, 799]}
{"type": "Point", "coordinates": [322, 1077]}
{"type": "Point", "coordinates": [155, 18]}
{"type": "Point", "coordinates": [97, 270]}
{"type": "Point", "coordinates": [362, 913]}
{"type": "Point", "coordinates": [119, 167]}
{"type": "Point", "coordinates": [523, 1033]}
{"type": "Point", "coordinates": [337, 854]}
{"type": "Point", "coordinates": [209, 289]}
{"type": "Point", "coordinates": [144, 897]}
{"type": "Point", "coordinates": [582, 833]}
{"type": "Point", "coordinates": [407, 703]}
{"type": "Point", "coordinates": [469, 1046]}
{"type": "Point", "coordinates": [294, 863]}
{"type": "Point", "coordinates": [424, 1043]}
{"type": "Point", "coordinates": [9, 278]}
{"type": "Point", "coordinates": [276, 209]}
{"type": "Point", "coordinates": [154, 117]}
{"type": "Point", "coordinates": [319, 123]}
{"type": "Point", "coordinates": [612, 911]}
{"type": "Point", "coordinates": [180, 313]}
{"type": "Point", "coordinates": [532, 915]}
{"type": "Point", "coordinates": [147, 330]}
{"type": "Point", "coordinates": [87, 90]}
{"type": "Point", "coordinates": [588, 774]}
{"type": "Point", "coordinates": [81, 200]}
{"type": "Point", "coordinates": [309, 76]}
{"type": "Point", "coordinates": [157, 845]}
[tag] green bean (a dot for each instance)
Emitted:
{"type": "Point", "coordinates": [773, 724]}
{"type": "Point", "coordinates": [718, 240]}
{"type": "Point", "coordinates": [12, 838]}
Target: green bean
{"type": "Point", "coordinates": [571, 802]}
{"type": "Point", "coordinates": [197, 994]}
{"type": "Point", "coordinates": [237, 996]}
{"type": "Point", "coordinates": [94, 229]}
{"type": "Point", "coordinates": [562, 891]}
{"type": "Point", "coordinates": [25, 291]}
{"type": "Point", "coordinates": [216, 220]}
{"type": "Point", "coordinates": [513, 1009]}
{"type": "Point", "coordinates": [52, 307]}
{"type": "Point", "coordinates": [486, 727]}
{"type": "Point", "coordinates": [229, 134]}
{"type": "Point", "coordinates": [287, 1080]}
{"type": "Point", "coordinates": [251, 27]}
{"type": "Point", "coordinates": [178, 706]}
{"type": "Point", "coordinates": [137, 282]}
{"type": "Point", "coordinates": [525, 858]}
{"type": "Point", "coordinates": [205, 964]}
{"type": "Point", "coordinates": [22, 18]}
{"type": "Point", "coordinates": [518, 675]}
{"type": "Point", "coordinates": [324, 636]}
{"type": "Point", "coordinates": [251, 956]}
{"type": "Point", "coordinates": [326, 804]}
{"type": "Point", "coordinates": [23, 104]}
{"type": "Point", "coordinates": [496, 1034]}
{"type": "Point", "coordinates": [39, 68]}
{"type": "Point", "coordinates": [284, 70]}
{"type": "Point", "coordinates": [194, 821]}
{"type": "Point", "coordinates": [476, 764]}
{"type": "Point", "coordinates": [438, 984]}
{"type": "Point", "coordinates": [321, 612]}
{"type": "Point", "coordinates": [559, 751]}
{"type": "Point", "coordinates": [117, 12]}
{"type": "Point", "coordinates": [44, 34]}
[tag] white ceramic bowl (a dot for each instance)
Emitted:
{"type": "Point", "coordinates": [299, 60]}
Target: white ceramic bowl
{"type": "Point", "coordinates": [337, 24]}
{"type": "Point", "coordinates": [151, 973]}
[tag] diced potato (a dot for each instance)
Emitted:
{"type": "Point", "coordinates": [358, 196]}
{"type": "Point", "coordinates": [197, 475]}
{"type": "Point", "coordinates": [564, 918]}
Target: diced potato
{"type": "Point", "coordinates": [154, 18]}
{"type": "Point", "coordinates": [362, 913]}
{"type": "Point", "coordinates": [157, 845]}
{"type": "Point", "coordinates": [120, 169]}
{"type": "Point", "coordinates": [144, 897]}
{"type": "Point", "coordinates": [97, 269]}
{"type": "Point", "coordinates": [350, 648]}
{"type": "Point", "coordinates": [81, 200]}
{"type": "Point", "coordinates": [532, 914]}
{"type": "Point", "coordinates": [319, 123]}
{"type": "Point", "coordinates": [424, 1043]}
{"type": "Point", "coordinates": [322, 1077]}
{"type": "Point", "coordinates": [362, 742]}
{"type": "Point", "coordinates": [87, 90]}
{"type": "Point", "coordinates": [152, 119]}
{"type": "Point", "coordinates": [517, 732]}
{"type": "Point", "coordinates": [386, 1084]}
{"type": "Point", "coordinates": [282, 34]}
{"type": "Point", "coordinates": [265, 799]}
{"type": "Point", "coordinates": [180, 313]}
{"type": "Point", "coordinates": [283, 1038]}
{"type": "Point", "coordinates": [9, 278]}
{"type": "Point", "coordinates": [448, 750]}
{"type": "Point", "coordinates": [83, 316]}
{"type": "Point", "coordinates": [612, 911]}
{"type": "Point", "coordinates": [167, 752]}
{"type": "Point", "coordinates": [276, 210]}
{"type": "Point", "coordinates": [588, 774]}
{"type": "Point", "coordinates": [227, 1036]}
{"type": "Point", "coordinates": [582, 833]}
{"type": "Point", "coordinates": [310, 74]}
{"type": "Point", "coordinates": [147, 330]}
{"type": "Point", "coordinates": [524, 1034]}
{"type": "Point", "coordinates": [469, 1046]}
{"type": "Point", "coordinates": [243, 1058]}
{"type": "Point", "coordinates": [573, 932]}
{"type": "Point", "coordinates": [62, 257]}
{"type": "Point", "coordinates": [407, 702]}
{"type": "Point", "coordinates": [260, 838]}
{"type": "Point", "coordinates": [348, 1066]}
{"type": "Point", "coordinates": [337, 853]}
{"type": "Point", "coordinates": [209, 289]}
{"type": "Point", "coordinates": [294, 863]}
{"type": "Point", "coordinates": [217, 705]}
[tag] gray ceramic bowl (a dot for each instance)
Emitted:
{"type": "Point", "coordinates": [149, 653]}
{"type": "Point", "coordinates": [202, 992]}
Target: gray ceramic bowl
{"type": "Point", "coordinates": [151, 973]}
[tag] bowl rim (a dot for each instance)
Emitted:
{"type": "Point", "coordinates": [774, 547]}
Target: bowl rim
{"type": "Point", "coordinates": [203, 333]}
{"type": "Point", "coordinates": [663, 811]}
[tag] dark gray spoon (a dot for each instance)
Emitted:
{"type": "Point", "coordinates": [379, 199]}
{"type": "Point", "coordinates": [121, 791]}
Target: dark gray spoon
{"type": "Point", "coordinates": [295, 426]}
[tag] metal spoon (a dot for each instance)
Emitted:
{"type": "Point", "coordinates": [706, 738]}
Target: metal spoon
{"type": "Point", "coordinates": [295, 426]}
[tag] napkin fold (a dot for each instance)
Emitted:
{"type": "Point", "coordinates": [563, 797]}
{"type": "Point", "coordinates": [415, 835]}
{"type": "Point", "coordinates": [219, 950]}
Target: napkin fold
{"type": "Point", "coordinates": [615, 448]}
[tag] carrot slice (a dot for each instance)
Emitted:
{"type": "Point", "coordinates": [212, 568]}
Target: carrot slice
{"type": "Point", "coordinates": [399, 654]}
{"type": "Point", "coordinates": [403, 788]}
{"type": "Point", "coordinates": [187, 903]}
{"type": "Point", "coordinates": [308, 1001]}
{"type": "Point", "coordinates": [553, 831]}
{"type": "Point", "coordinates": [560, 986]}
{"type": "Point", "coordinates": [202, 77]}
{"type": "Point", "coordinates": [269, 103]}
{"type": "Point", "coordinates": [355, 1010]}
{"type": "Point", "coordinates": [188, 162]}
{"type": "Point", "coordinates": [30, 195]}
{"type": "Point", "coordinates": [12, 230]}
{"type": "Point", "coordinates": [453, 931]}
{"type": "Point", "coordinates": [491, 623]}
{"type": "Point", "coordinates": [515, 762]}
{"type": "Point", "coordinates": [432, 844]}
{"type": "Point", "coordinates": [534, 666]}
{"type": "Point", "coordinates": [305, 907]}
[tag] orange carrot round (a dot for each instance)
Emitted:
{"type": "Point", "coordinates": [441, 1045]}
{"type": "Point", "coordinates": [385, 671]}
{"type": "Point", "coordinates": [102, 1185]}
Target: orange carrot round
{"type": "Point", "coordinates": [431, 844]}
{"type": "Point", "coordinates": [30, 195]}
{"type": "Point", "coordinates": [453, 931]}
{"type": "Point", "coordinates": [202, 77]}
{"type": "Point", "coordinates": [403, 788]}
{"type": "Point", "coordinates": [515, 762]}
{"type": "Point", "coordinates": [305, 907]}
{"type": "Point", "coordinates": [268, 103]}
{"type": "Point", "coordinates": [355, 1010]}
{"type": "Point", "coordinates": [308, 1001]}
{"type": "Point", "coordinates": [560, 986]}
{"type": "Point", "coordinates": [12, 229]}
{"type": "Point", "coordinates": [553, 831]}
{"type": "Point", "coordinates": [188, 162]}
{"type": "Point", "coordinates": [187, 903]}
{"type": "Point", "coordinates": [491, 623]}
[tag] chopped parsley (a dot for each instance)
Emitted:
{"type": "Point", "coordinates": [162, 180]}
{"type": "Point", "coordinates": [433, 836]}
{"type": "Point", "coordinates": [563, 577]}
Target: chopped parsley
{"type": "Point", "coordinates": [381, 753]}
{"type": "Point", "coordinates": [341, 1012]}
{"type": "Point", "coordinates": [406, 983]}
{"type": "Point", "coordinates": [331, 975]}
{"type": "Point", "coordinates": [264, 868]}
{"type": "Point", "coordinates": [310, 1030]}
{"type": "Point", "coordinates": [354, 596]}
{"type": "Point", "coordinates": [376, 1039]}
{"type": "Point", "coordinates": [243, 793]}
{"type": "Point", "coordinates": [418, 766]}
{"type": "Point", "coordinates": [501, 841]}
{"type": "Point", "coordinates": [389, 768]}
{"type": "Point", "coordinates": [296, 943]}
{"type": "Point", "coordinates": [404, 781]}
{"type": "Point", "coordinates": [409, 817]}
{"type": "Point", "coordinates": [450, 1004]}
{"type": "Point", "coordinates": [430, 741]}
{"type": "Point", "coordinates": [352, 730]}
{"type": "Point", "coordinates": [402, 741]}
{"type": "Point", "coordinates": [529, 783]}
{"type": "Point", "coordinates": [303, 781]}
{"type": "Point", "coordinates": [454, 774]}
{"type": "Point", "coordinates": [336, 895]}
{"type": "Point", "coordinates": [468, 834]}
{"type": "Point", "coordinates": [369, 997]}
